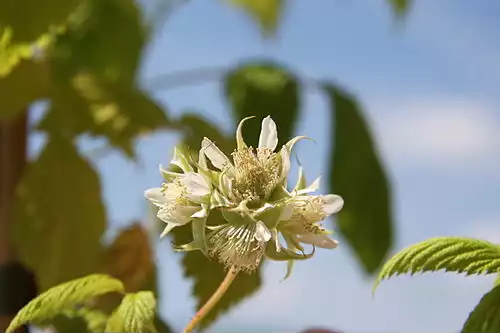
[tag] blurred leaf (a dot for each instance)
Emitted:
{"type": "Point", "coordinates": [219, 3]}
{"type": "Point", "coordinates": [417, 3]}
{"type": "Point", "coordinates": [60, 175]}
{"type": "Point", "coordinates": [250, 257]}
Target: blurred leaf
{"type": "Point", "coordinates": [60, 215]}
{"type": "Point", "coordinates": [195, 128]}
{"type": "Point", "coordinates": [486, 315]}
{"type": "Point", "coordinates": [136, 313]}
{"type": "Point", "coordinates": [119, 113]}
{"type": "Point", "coordinates": [162, 326]}
{"type": "Point", "coordinates": [94, 69]}
{"type": "Point", "coordinates": [497, 281]}
{"type": "Point", "coordinates": [130, 258]}
{"type": "Point", "coordinates": [358, 176]}
{"type": "Point", "coordinates": [80, 320]}
{"type": "Point", "coordinates": [262, 89]}
{"type": "Point", "coordinates": [64, 296]}
{"type": "Point", "coordinates": [31, 19]}
{"type": "Point", "coordinates": [27, 82]}
{"type": "Point", "coordinates": [400, 7]}
{"type": "Point", "coordinates": [266, 12]}
{"type": "Point", "coordinates": [207, 275]}
{"type": "Point", "coordinates": [451, 254]}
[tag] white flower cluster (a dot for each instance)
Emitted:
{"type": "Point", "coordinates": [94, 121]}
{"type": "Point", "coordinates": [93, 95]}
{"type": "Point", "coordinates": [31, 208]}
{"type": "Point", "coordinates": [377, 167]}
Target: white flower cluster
{"type": "Point", "coordinates": [250, 191]}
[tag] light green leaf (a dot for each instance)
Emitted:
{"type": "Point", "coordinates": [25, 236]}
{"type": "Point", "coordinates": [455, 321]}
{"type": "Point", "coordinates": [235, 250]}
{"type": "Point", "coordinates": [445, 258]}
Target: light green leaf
{"type": "Point", "coordinates": [451, 254]}
{"type": "Point", "coordinates": [207, 274]}
{"type": "Point", "coordinates": [486, 315]}
{"type": "Point", "coordinates": [60, 216]}
{"type": "Point", "coordinates": [358, 176]}
{"type": "Point", "coordinates": [267, 13]}
{"type": "Point", "coordinates": [63, 297]}
{"type": "Point", "coordinates": [261, 89]}
{"type": "Point", "coordinates": [136, 313]}
{"type": "Point", "coordinates": [25, 83]}
{"type": "Point", "coordinates": [497, 281]}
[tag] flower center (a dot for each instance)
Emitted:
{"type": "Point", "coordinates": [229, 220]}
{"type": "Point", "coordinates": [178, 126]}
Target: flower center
{"type": "Point", "coordinates": [257, 173]}
{"type": "Point", "coordinates": [235, 245]}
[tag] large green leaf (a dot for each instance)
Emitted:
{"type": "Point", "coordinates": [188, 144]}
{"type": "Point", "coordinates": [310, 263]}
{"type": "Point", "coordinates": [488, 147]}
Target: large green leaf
{"type": "Point", "coordinates": [486, 315]}
{"type": "Point", "coordinates": [94, 71]}
{"type": "Point", "coordinates": [451, 254]}
{"type": "Point", "coordinates": [358, 176]}
{"type": "Point", "coordinates": [30, 19]}
{"type": "Point", "coordinates": [266, 12]}
{"type": "Point", "coordinates": [63, 297]}
{"type": "Point", "coordinates": [27, 82]}
{"type": "Point", "coordinates": [261, 89]}
{"type": "Point", "coordinates": [60, 215]}
{"type": "Point", "coordinates": [207, 275]}
{"type": "Point", "coordinates": [135, 314]}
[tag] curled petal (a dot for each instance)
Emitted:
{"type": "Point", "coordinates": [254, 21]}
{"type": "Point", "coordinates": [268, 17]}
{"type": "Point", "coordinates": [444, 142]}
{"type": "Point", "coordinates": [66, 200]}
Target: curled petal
{"type": "Point", "coordinates": [167, 229]}
{"type": "Point", "coordinates": [203, 212]}
{"type": "Point", "coordinates": [168, 175]}
{"type": "Point", "coordinates": [311, 188]}
{"type": "Point", "coordinates": [262, 234]}
{"type": "Point", "coordinates": [177, 215]}
{"type": "Point", "coordinates": [332, 203]}
{"type": "Point", "coordinates": [289, 145]}
{"type": "Point", "coordinates": [214, 154]}
{"type": "Point", "coordinates": [301, 180]}
{"type": "Point", "coordinates": [322, 241]}
{"type": "Point", "coordinates": [181, 160]}
{"type": "Point", "coordinates": [155, 196]}
{"type": "Point", "coordinates": [268, 134]}
{"type": "Point", "coordinates": [240, 142]}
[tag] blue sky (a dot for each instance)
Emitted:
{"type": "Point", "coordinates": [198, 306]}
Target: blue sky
{"type": "Point", "coordinates": [430, 89]}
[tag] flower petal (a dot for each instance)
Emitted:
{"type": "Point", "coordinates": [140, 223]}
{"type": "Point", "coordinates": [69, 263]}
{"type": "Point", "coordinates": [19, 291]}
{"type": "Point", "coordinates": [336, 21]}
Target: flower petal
{"type": "Point", "coordinates": [155, 196]}
{"type": "Point", "coordinates": [167, 229]}
{"type": "Point", "coordinates": [311, 188]}
{"type": "Point", "coordinates": [268, 134]}
{"type": "Point", "coordinates": [214, 154]}
{"type": "Point", "coordinates": [240, 142]}
{"type": "Point", "coordinates": [197, 186]}
{"type": "Point", "coordinates": [262, 234]}
{"type": "Point", "coordinates": [332, 203]}
{"type": "Point", "coordinates": [322, 241]}
{"type": "Point", "coordinates": [181, 160]}
{"type": "Point", "coordinates": [203, 212]}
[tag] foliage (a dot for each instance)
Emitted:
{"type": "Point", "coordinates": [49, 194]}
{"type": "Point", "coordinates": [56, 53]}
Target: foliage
{"type": "Point", "coordinates": [358, 176]}
{"type": "Point", "coordinates": [136, 313]}
{"type": "Point", "coordinates": [454, 254]}
{"type": "Point", "coordinates": [65, 296]}
{"type": "Point", "coordinates": [73, 54]}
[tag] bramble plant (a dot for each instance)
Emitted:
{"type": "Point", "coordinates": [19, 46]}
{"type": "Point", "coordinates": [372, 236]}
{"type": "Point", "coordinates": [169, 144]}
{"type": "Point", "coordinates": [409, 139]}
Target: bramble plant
{"type": "Point", "coordinates": [251, 194]}
{"type": "Point", "coordinates": [454, 254]}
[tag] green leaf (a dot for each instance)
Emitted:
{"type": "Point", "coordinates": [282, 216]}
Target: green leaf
{"type": "Point", "coordinates": [208, 274]}
{"type": "Point", "coordinates": [261, 89]}
{"type": "Point", "coordinates": [486, 315]}
{"type": "Point", "coordinates": [358, 176]}
{"type": "Point", "coordinates": [136, 313]}
{"type": "Point", "coordinates": [451, 254]}
{"type": "Point", "coordinates": [65, 296]}
{"type": "Point", "coordinates": [26, 21]}
{"type": "Point", "coordinates": [79, 320]}
{"type": "Point", "coordinates": [497, 281]}
{"type": "Point", "coordinates": [266, 12]}
{"type": "Point", "coordinates": [25, 83]}
{"type": "Point", "coordinates": [94, 71]}
{"type": "Point", "coordinates": [400, 7]}
{"type": "Point", "coordinates": [60, 216]}
{"type": "Point", "coordinates": [130, 258]}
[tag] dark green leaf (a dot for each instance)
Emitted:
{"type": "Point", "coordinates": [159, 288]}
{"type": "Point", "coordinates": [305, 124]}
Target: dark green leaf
{"type": "Point", "coordinates": [266, 12]}
{"type": "Point", "coordinates": [31, 19]}
{"type": "Point", "coordinates": [64, 297]}
{"type": "Point", "coordinates": [80, 320]}
{"type": "Point", "coordinates": [359, 177]}
{"type": "Point", "coordinates": [262, 89]}
{"type": "Point", "coordinates": [486, 315]}
{"type": "Point", "coordinates": [60, 216]}
{"type": "Point", "coordinates": [27, 82]}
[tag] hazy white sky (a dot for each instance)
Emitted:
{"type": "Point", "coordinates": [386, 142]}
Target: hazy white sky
{"type": "Point", "coordinates": [431, 91]}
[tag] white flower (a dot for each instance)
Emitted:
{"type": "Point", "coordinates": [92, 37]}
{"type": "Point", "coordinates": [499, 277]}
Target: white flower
{"type": "Point", "coordinates": [253, 174]}
{"type": "Point", "coordinates": [184, 198]}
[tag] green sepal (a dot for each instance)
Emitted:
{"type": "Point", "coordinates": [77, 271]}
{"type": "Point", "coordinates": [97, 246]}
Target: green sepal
{"type": "Point", "coordinates": [284, 254]}
{"type": "Point", "coordinates": [301, 180]}
{"type": "Point", "coordinates": [199, 233]}
{"type": "Point", "coordinates": [240, 142]}
{"type": "Point", "coordinates": [182, 160]}
{"type": "Point", "coordinates": [289, 269]}
{"type": "Point", "coordinates": [270, 216]}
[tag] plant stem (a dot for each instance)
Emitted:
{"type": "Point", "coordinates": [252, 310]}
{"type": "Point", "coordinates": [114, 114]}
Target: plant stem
{"type": "Point", "coordinates": [212, 301]}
